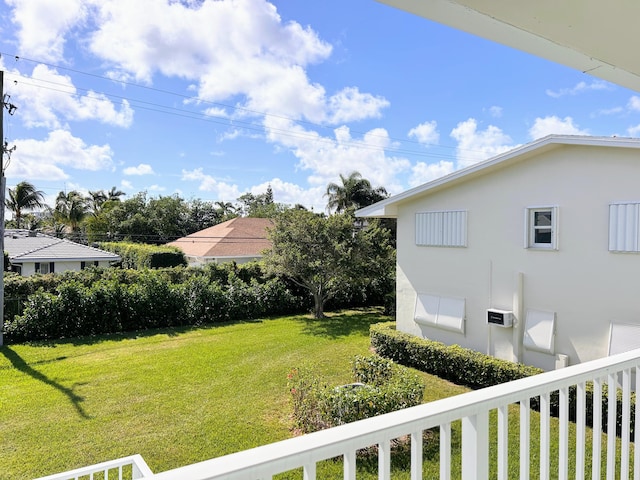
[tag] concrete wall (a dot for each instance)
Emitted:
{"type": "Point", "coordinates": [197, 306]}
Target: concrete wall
{"type": "Point", "coordinates": [587, 286]}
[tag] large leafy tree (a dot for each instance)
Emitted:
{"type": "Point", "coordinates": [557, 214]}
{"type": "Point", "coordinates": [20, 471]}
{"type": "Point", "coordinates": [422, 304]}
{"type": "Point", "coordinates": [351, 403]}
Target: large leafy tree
{"type": "Point", "coordinates": [260, 205]}
{"type": "Point", "coordinates": [323, 254]}
{"type": "Point", "coordinates": [24, 197]}
{"type": "Point", "coordinates": [353, 192]}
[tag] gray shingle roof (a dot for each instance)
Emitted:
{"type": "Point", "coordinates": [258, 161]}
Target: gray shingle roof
{"type": "Point", "coordinates": [22, 247]}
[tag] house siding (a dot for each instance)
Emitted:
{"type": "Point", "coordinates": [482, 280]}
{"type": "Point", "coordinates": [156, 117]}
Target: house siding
{"type": "Point", "coordinates": [582, 281]}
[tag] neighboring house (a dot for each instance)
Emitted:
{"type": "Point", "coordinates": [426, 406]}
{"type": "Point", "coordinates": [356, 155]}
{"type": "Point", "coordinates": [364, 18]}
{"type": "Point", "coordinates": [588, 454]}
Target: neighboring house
{"type": "Point", "coordinates": [30, 252]}
{"type": "Point", "coordinates": [239, 240]}
{"type": "Point", "coordinates": [544, 239]}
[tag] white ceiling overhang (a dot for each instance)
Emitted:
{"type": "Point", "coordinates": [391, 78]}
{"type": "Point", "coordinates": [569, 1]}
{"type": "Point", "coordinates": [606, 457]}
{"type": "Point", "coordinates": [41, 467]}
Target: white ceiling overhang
{"type": "Point", "coordinates": [594, 36]}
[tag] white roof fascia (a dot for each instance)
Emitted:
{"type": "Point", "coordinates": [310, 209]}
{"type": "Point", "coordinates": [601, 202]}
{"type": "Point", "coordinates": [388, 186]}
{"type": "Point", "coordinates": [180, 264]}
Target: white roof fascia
{"type": "Point", "coordinates": [388, 208]}
{"type": "Point", "coordinates": [465, 15]}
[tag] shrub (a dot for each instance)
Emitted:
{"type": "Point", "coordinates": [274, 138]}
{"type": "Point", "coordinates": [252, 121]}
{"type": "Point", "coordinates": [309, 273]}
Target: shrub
{"type": "Point", "coordinates": [453, 363]}
{"type": "Point", "coordinates": [477, 370]}
{"type": "Point", "coordinates": [382, 388]}
{"type": "Point", "coordinates": [138, 256]}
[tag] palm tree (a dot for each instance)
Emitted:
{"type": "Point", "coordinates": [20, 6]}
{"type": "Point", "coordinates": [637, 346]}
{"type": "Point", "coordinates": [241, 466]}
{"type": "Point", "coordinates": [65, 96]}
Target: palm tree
{"type": "Point", "coordinates": [355, 192]}
{"type": "Point", "coordinates": [225, 209]}
{"type": "Point", "coordinates": [115, 194]}
{"type": "Point", "coordinates": [71, 208]}
{"type": "Point", "coordinates": [95, 200]}
{"type": "Point", "coordinates": [24, 197]}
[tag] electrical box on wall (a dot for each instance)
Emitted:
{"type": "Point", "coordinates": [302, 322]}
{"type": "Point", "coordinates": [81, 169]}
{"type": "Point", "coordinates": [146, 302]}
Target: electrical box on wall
{"type": "Point", "coordinates": [500, 318]}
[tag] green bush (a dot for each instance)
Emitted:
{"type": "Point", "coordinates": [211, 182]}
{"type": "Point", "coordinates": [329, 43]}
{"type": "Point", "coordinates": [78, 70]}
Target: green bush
{"type": "Point", "coordinates": [381, 387]}
{"type": "Point", "coordinates": [454, 363]}
{"type": "Point", "coordinates": [477, 370]}
{"type": "Point", "coordinates": [139, 256]}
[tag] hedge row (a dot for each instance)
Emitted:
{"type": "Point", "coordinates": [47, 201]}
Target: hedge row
{"type": "Point", "coordinates": [139, 256]}
{"type": "Point", "coordinates": [381, 387]}
{"type": "Point", "coordinates": [109, 306]}
{"type": "Point", "coordinates": [477, 370]}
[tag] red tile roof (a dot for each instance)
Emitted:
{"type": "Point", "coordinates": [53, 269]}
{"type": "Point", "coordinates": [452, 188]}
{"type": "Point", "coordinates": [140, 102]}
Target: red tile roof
{"type": "Point", "coordinates": [238, 237]}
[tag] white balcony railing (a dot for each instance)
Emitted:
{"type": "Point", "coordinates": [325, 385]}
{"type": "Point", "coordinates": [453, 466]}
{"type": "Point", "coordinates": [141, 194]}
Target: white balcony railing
{"type": "Point", "coordinates": [132, 467]}
{"type": "Point", "coordinates": [473, 410]}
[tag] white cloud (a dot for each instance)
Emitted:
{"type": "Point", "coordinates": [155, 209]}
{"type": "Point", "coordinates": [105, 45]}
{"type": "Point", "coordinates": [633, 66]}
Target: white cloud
{"type": "Point", "coordinates": [634, 131]}
{"type": "Point", "coordinates": [581, 87]}
{"type": "Point", "coordinates": [495, 111]}
{"type": "Point", "coordinates": [290, 194]}
{"type": "Point", "coordinates": [349, 105]}
{"type": "Point", "coordinates": [261, 60]}
{"type": "Point", "coordinates": [126, 184]}
{"type": "Point", "coordinates": [44, 25]}
{"type": "Point", "coordinates": [225, 192]}
{"type": "Point", "coordinates": [634, 103]}
{"type": "Point", "coordinates": [328, 157]}
{"type": "Point", "coordinates": [554, 125]}
{"type": "Point", "coordinates": [44, 159]}
{"type": "Point", "coordinates": [49, 99]}
{"type": "Point", "coordinates": [156, 188]}
{"type": "Point", "coordinates": [476, 145]}
{"type": "Point", "coordinates": [141, 169]}
{"type": "Point", "coordinates": [426, 133]}
{"type": "Point", "coordinates": [425, 172]}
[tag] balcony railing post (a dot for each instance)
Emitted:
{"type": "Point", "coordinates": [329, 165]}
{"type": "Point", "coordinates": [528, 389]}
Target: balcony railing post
{"type": "Point", "coordinates": [475, 446]}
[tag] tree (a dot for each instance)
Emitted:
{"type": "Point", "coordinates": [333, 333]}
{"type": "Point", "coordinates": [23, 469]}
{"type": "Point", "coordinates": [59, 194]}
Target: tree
{"type": "Point", "coordinates": [24, 197]}
{"type": "Point", "coordinates": [324, 254]}
{"type": "Point", "coordinates": [261, 205]}
{"type": "Point", "coordinates": [114, 194]}
{"type": "Point", "coordinates": [95, 200]}
{"type": "Point", "coordinates": [71, 208]}
{"type": "Point", "coordinates": [355, 192]}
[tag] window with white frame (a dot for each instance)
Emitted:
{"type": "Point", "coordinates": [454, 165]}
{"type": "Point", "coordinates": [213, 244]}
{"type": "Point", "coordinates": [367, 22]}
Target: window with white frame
{"type": "Point", "coordinates": [44, 267]}
{"type": "Point", "coordinates": [624, 227]}
{"type": "Point", "coordinates": [442, 229]}
{"type": "Point", "coordinates": [541, 227]}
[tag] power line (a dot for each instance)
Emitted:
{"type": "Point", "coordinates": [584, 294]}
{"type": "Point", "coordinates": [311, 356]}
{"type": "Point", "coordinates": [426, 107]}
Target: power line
{"type": "Point", "coordinates": [247, 125]}
{"type": "Point", "coordinates": [207, 117]}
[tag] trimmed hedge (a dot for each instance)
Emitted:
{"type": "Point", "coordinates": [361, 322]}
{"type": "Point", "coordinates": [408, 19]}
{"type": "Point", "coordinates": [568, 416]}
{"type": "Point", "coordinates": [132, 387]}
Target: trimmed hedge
{"type": "Point", "coordinates": [454, 363]}
{"type": "Point", "coordinates": [382, 387]}
{"type": "Point", "coordinates": [476, 370]}
{"type": "Point", "coordinates": [139, 256]}
{"type": "Point", "coordinates": [109, 306]}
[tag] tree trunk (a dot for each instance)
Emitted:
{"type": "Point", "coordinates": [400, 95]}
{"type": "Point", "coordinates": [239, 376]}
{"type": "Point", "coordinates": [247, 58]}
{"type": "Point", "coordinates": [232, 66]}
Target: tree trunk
{"type": "Point", "coordinates": [318, 310]}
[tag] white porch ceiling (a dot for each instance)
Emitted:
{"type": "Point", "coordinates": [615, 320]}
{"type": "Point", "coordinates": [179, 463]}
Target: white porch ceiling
{"type": "Point", "coordinates": [598, 37]}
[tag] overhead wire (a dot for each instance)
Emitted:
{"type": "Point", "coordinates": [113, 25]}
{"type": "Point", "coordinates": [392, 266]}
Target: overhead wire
{"type": "Point", "coordinates": [233, 121]}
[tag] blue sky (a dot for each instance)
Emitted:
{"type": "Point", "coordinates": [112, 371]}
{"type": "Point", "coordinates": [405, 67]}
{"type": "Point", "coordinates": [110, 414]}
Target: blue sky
{"type": "Point", "coordinates": [212, 99]}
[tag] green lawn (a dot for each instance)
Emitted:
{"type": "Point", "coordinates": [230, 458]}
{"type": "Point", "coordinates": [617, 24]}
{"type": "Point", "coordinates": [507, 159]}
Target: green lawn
{"type": "Point", "coordinates": [176, 397]}
{"type": "Point", "coordinates": [180, 396]}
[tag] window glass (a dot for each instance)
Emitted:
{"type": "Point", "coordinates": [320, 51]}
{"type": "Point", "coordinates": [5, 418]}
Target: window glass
{"type": "Point", "coordinates": [542, 225]}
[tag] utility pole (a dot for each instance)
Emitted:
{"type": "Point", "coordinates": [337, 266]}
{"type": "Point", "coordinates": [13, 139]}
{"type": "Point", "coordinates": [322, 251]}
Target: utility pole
{"type": "Point", "coordinates": [3, 150]}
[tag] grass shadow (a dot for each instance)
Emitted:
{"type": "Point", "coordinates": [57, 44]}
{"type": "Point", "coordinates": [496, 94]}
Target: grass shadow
{"type": "Point", "coordinates": [343, 323]}
{"type": "Point", "coordinates": [19, 364]}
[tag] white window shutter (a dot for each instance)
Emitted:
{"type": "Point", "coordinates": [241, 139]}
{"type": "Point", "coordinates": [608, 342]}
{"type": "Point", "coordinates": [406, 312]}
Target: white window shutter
{"type": "Point", "coordinates": [441, 229]}
{"type": "Point", "coordinates": [624, 226]}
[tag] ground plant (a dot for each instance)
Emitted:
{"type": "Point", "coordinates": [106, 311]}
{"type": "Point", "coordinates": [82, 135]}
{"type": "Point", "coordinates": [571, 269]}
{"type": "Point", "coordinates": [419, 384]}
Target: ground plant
{"type": "Point", "coordinates": [379, 386]}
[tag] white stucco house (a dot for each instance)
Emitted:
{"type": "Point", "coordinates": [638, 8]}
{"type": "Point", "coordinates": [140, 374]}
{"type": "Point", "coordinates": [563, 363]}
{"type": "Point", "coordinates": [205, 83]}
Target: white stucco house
{"type": "Point", "coordinates": [31, 252]}
{"type": "Point", "coordinates": [531, 256]}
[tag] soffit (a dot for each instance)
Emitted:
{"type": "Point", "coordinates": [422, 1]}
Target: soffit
{"type": "Point", "coordinates": [593, 36]}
